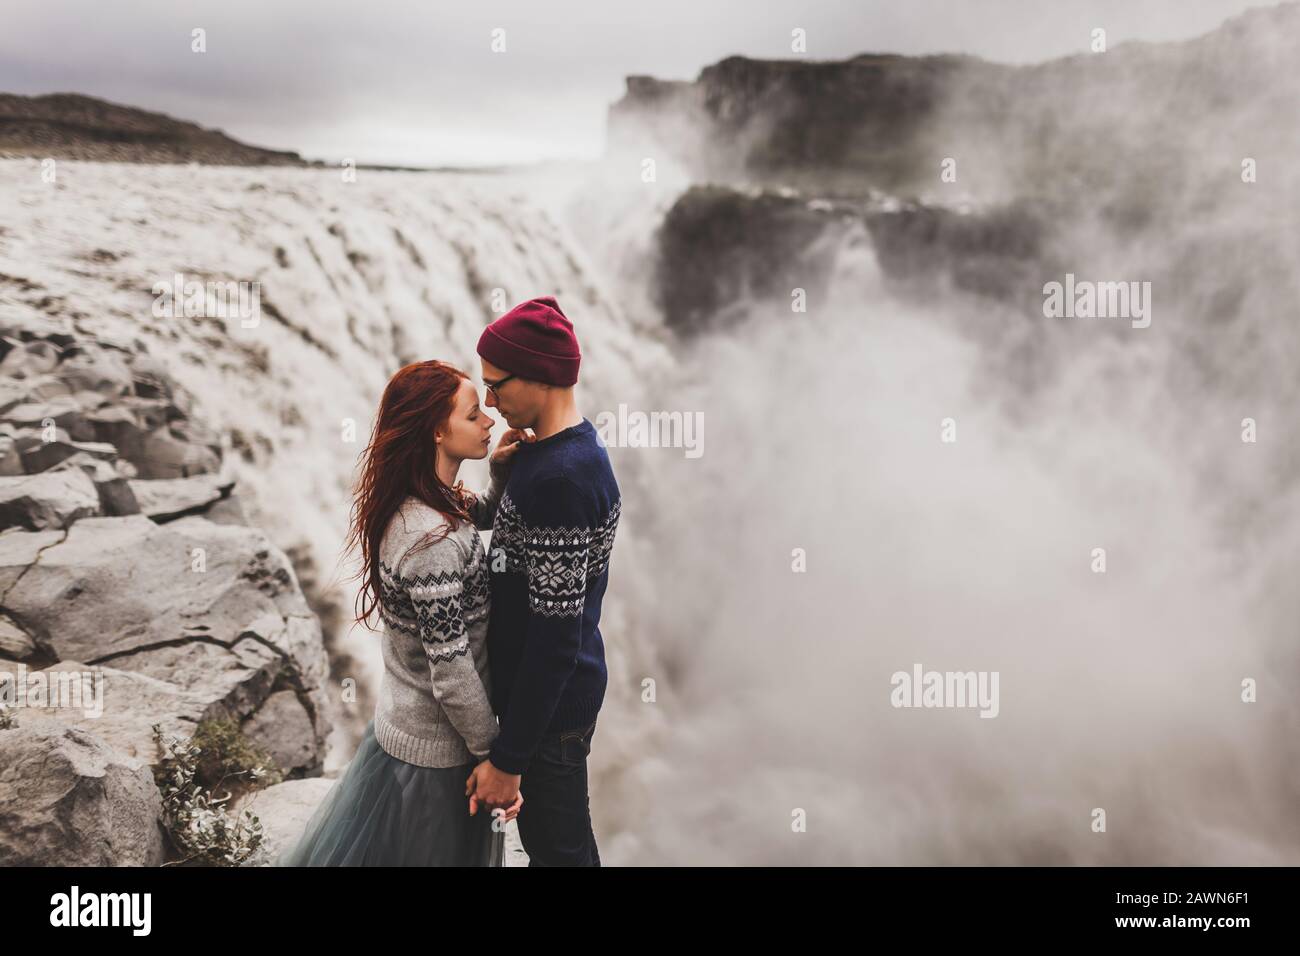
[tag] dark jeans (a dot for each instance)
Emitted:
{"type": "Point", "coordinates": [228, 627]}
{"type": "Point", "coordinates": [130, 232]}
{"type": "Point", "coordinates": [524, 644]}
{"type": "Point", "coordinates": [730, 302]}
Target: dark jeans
{"type": "Point", "coordinates": [555, 820]}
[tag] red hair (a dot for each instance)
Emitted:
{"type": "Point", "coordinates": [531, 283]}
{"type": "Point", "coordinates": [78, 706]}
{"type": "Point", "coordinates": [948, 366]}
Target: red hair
{"type": "Point", "coordinates": [400, 461]}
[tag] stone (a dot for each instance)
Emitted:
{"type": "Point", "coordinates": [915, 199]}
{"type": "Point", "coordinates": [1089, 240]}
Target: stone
{"type": "Point", "coordinates": [129, 703]}
{"type": "Point", "coordinates": [283, 728]}
{"type": "Point", "coordinates": [222, 615]}
{"type": "Point", "coordinates": [165, 498]}
{"type": "Point", "coordinates": [112, 482]}
{"type": "Point", "coordinates": [62, 410]}
{"type": "Point", "coordinates": [46, 454]}
{"type": "Point", "coordinates": [163, 455]}
{"type": "Point", "coordinates": [15, 643]}
{"type": "Point", "coordinates": [51, 499]}
{"type": "Point", "coordinates": [228, 510]}
{"type": "Point", "coordinates": [283, 810]}
{"type": "Point", "coordinates": [69, 799]}
{"type": "Point", "coordinates": [18, 550]}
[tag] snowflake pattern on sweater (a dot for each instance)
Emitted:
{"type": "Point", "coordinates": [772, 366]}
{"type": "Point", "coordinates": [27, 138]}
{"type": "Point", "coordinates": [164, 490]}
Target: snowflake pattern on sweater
{"type": "Point", "coordinates": [437, 606]}
{"type": "Point", "coordinates": [557, 560]}
{"type": "Point", "coordinates": [434, 706]}
{"type": "Point", "coordinates": [550, 556]}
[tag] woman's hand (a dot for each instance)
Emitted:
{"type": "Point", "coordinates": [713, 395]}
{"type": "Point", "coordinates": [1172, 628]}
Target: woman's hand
{"type": "Point", "coordinates": [507, 446]}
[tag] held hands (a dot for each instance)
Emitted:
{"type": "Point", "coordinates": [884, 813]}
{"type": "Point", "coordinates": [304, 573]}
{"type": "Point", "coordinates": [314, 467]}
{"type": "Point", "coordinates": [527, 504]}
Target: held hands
{"type": "Point", "coordinates": [507, 446]}
{"type": "Point", "coordinates": [506, 813]}
{"type": "Point", "coordinates": [494, 789]}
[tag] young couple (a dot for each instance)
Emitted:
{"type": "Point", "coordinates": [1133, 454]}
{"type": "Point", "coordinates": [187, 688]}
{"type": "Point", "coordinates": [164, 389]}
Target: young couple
{"type": "Point", "coordinates": [494, 666]}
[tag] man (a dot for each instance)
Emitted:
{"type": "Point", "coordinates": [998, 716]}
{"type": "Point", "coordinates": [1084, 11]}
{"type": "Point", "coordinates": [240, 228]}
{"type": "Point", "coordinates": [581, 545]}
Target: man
{"type": "Point", "coordinates": [551, 541]}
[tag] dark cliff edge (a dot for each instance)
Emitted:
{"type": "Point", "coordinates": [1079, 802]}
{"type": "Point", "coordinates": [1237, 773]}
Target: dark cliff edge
{"type": "Point", "coordinates": [1064, 165]}
{"type": "Point", "coordinates": [1138, 117]}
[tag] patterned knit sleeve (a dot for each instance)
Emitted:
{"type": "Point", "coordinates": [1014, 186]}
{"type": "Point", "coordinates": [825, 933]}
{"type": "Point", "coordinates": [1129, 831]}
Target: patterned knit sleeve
{"type": "Point", "coordinates": [558, 529]}
{"type": "Point", "coordinates": [435, 577]}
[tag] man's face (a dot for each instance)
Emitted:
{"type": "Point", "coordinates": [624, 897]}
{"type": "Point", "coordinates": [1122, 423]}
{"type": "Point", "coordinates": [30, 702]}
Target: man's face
{"type": "Point", "coordinates": [514, 399]}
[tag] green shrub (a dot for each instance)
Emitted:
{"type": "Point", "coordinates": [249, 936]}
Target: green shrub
{"type": "Point", "coordinates": [193, 779]}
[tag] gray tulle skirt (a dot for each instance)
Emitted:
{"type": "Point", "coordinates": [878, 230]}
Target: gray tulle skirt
{"type": "Point", "coordinates": [385, 812]}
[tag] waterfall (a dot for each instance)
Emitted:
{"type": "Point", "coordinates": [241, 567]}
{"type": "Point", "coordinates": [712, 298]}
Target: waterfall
{"type": "Point", "coordinates": [771, 685]}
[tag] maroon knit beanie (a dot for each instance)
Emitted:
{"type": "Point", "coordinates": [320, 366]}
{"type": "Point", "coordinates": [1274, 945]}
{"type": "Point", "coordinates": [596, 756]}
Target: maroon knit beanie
{"type": "Point", "coordinates": [534, 340]}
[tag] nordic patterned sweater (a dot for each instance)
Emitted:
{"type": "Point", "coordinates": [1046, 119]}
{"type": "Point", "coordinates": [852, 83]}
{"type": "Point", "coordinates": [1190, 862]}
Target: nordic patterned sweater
{"type": "Point", "coordinates": [434, 707]}
{"type": "Point", "coordinates": [549, 560]}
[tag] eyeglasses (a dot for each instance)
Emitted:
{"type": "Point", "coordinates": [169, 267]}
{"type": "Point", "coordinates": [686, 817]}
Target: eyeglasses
{"type": "Point", "coordinates": [493, 386]}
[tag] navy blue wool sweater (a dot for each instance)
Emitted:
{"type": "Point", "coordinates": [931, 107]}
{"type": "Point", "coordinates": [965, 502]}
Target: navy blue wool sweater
{"type": "Point", "coordinates": [549, 560]}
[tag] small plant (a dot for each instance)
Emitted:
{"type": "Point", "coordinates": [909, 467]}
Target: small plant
{"type": "Point", "coordinates": [194, 807]}
{"type": "Point", "coordinates": [7, 715]}
{"type": "Point", "coordinates": [226, 754]}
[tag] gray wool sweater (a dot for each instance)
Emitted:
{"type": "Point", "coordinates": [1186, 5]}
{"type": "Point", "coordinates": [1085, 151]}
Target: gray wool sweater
{"type": "Point", "coordinates": [434, 707]}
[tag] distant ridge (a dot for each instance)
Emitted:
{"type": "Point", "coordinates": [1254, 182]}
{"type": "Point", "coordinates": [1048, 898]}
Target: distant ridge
{"type": "Point", "coordinates": [74, 126]}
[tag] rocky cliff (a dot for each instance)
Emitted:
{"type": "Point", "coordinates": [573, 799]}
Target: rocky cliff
{"type": "Point", "coordinates": [133, 593]}
{"type": "Point", "coordinates": [1160, 160]}
{"type": "Point", "coordinates": [1138, 121]}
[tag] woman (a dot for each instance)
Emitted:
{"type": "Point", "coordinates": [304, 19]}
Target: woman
{"type": "Point", "coordinates": [403, 800]}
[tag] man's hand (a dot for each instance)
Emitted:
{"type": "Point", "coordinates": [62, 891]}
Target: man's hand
{"type": "Point", "coordinates": [510, 812]}
{"type": "Point", "coordinates": [507, 446]}
{"type": "Point", "coordinates": [491, 787]}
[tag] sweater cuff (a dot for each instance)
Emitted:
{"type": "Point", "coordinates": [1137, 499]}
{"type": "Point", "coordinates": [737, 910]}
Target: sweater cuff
{"type": "Point", "coordinates": [506, 761]}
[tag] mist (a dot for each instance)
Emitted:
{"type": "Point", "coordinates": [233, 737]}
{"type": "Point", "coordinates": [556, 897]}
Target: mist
{"type": "Point", "coordinates": [1120, 691]}
{"type": "Point", "coordinates": [898, 472]}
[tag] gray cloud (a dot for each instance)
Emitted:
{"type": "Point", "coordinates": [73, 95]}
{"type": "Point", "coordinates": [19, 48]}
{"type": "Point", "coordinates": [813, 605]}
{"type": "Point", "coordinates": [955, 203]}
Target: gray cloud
{"type": "Point", "coordinates": [386, 81]}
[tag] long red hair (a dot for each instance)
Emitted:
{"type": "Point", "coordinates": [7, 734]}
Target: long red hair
{"type": "Point", "coordinates": [400, 461]}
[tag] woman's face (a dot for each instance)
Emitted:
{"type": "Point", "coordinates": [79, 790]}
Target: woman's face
{"type": "Point", "coordinates": [468, 431]}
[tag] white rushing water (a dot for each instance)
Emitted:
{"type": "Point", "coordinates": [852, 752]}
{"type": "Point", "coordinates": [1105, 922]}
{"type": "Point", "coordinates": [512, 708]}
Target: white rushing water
{"type": "Point", "coordinates": [822, 432]}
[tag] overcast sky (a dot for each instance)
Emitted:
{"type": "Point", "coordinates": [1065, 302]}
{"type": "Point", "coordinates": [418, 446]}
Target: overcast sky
{"type": "Point", "coordinates": [418, 83]}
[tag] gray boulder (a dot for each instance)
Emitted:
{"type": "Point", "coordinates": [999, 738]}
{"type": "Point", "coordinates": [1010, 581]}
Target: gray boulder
{"type": "Point", "coordinates": [51, 499]}
{"type": "Point", "coordinates": [134, 592]}
{"type": "Point", "coordinates": [62, 410]}
{"type": "Point", "coordinates": [283, 810]}
{"type": "Point", "coordinates": [18, 550]}
{"type": "Point", "coordinates": [39, 455]}
{"type": "Point", "coordinates": [69, 799]}
{"type": "Point", "coordinates": [112, 482]}
{"type": "Point", "coordinates": [163, 499]}
{"type": "Point", "coordinates": [15, 643]}
{"type": "Point", "coordinates": [213, 610]}
{"type": "Point", "coordinates": [283, 728]}
{"type": "Point", "coordinates": [119, 706]}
